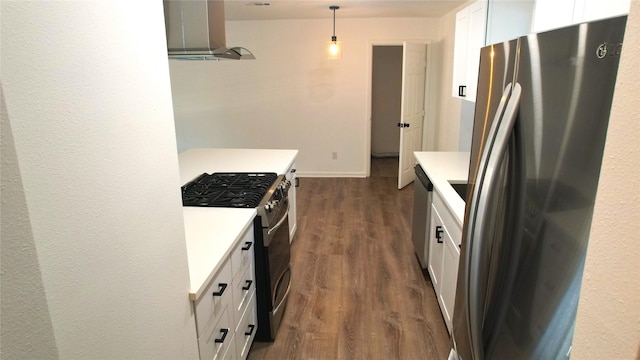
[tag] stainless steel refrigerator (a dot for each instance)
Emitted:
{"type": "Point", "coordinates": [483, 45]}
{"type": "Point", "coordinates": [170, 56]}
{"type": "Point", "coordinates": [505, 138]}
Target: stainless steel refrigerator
{"type": "Point", "coordinates": [540, 124]}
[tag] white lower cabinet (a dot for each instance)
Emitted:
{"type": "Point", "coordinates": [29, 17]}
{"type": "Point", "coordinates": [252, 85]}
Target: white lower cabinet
{"type": "Point", "coordinates": [226, 311]}
{"type": "Point", "coordinates": [444, 255]}
{"type": "Point", "coordinates": [217, 338]}
{"type": "Point", "coordinates": [246, 330]}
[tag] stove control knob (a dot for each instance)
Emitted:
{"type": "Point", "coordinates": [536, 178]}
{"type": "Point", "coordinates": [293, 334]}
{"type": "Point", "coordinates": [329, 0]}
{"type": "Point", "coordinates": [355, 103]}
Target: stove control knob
{"type": "Point", "coordinates": [285, 185]}
{"type": "Point", "coordinates": [270, 205]}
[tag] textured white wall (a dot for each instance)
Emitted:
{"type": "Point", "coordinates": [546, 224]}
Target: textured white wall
{"type": "Point", "coordinates": [94, 262]}
{"type": "Point", "coordinates": [291, 96]}
{"type": "Point", "coordinates": [608, 322]}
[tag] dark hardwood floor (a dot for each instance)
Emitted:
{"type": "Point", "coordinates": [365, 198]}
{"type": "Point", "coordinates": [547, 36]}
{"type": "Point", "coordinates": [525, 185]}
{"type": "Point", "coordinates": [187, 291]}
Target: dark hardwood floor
{"type": "Point", "coordinates": [357, 290]}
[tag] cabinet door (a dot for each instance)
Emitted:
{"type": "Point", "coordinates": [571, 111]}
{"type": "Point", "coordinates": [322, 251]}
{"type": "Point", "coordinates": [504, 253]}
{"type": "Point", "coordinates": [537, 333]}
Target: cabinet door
{"type": "Point", "coordinates": [470, 38]}
{"type": "Point", "coordinates": [215, 299]}
{"type": "Point", "coordinates": [460, 51]}
{"type": "Point", "coordinates": [507, 20]}
{"type": "Point", "coordinates": [217, 338]}
{"type": "Point", "coordinates": [447, 296]}
{"type": "Point", "coordinates": [475, 41]}
{"type": "Point", "coordinates": [552, 14]}
{"type": "Point", "coordinates": [436, 247]}
{"type": "Point", "coordinates": [590, 10]}
{"type": "Point", "coordinates": [293, 216]}
{"type": "Point", "coordinates": [450, 233]}
{"type": "Point", "coordinates": [246, 330]}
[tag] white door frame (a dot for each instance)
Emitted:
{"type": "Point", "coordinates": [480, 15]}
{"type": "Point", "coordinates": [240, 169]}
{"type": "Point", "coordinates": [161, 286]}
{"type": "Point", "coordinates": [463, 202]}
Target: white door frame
{"type": "Point", "coordinates": [428, 126]}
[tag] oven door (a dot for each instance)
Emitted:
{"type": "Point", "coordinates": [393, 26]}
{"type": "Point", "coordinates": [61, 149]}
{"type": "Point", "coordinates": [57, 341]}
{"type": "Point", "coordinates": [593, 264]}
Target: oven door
{"type": "Point", "coordinates": [278, 250]}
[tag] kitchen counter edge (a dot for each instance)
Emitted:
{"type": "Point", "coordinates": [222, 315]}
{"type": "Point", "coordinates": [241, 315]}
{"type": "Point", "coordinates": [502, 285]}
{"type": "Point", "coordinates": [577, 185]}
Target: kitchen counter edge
{"type": "Point", "coordinates": [212, 233]}
{"type": "Point", "coordinates": [443, 167]}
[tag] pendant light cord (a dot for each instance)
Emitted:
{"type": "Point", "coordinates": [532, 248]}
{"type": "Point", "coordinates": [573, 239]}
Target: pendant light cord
{"type": "Point", "coordinates": [334, 8]}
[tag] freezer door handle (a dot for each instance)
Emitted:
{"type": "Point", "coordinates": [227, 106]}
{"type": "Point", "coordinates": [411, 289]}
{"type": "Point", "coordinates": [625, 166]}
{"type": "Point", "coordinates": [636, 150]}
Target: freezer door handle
{"type": "Point", "coordinates": [492, 158]}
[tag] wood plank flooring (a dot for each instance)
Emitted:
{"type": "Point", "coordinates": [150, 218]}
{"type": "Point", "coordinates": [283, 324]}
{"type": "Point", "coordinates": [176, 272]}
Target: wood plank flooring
{"type": "Point", "coordinates": [357, 290]}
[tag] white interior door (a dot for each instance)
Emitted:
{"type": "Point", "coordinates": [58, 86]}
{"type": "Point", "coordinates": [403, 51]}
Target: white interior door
{"type": "Point", "coordinates": [412, 108]}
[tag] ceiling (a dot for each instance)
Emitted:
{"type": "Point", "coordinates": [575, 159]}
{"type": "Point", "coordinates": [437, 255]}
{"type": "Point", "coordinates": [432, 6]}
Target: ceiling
{"type": "Point", "coordinates": [319, 9]}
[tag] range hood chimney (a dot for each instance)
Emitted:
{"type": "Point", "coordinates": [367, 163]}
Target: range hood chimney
{"type": "Point", "coordinates": [196, 31]}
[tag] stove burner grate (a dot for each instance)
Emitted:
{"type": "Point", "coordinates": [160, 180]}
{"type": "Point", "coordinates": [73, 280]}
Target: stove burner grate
{"type": "Point", "coordinates": [240, 190]}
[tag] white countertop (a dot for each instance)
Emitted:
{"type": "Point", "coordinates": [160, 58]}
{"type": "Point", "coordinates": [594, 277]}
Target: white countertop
{"type": "Point", "coordinates": [443, 167]}
{"type": "Point", "coordinates": [211, 233]}
{"type": "Point", "coordinates": [194, 162]}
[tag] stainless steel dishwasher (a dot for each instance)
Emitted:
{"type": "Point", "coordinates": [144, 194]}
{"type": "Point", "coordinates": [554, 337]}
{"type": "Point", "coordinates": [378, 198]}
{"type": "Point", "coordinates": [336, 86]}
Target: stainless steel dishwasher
{"type": "Point", "coordinates": [423, 191]}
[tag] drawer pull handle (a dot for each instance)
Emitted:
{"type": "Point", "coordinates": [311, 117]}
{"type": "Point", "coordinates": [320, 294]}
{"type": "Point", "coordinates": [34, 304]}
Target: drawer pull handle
{"type": "Point", "coordinates": [247, 246]}
{"type": "Point", "coordinates": [248, 286]}
{"type": "Point", "coordinates": [224, 333]}
{"type": "Point", "coordinates": [439, 232]}
{"type": "Point", "coordinates": [251, 327]}
{"type": "Point", "coordinates": [222, 287]}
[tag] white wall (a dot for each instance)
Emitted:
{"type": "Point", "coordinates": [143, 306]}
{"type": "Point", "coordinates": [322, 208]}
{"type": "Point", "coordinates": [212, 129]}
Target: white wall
{"type": "Point", "coordinates": [291, 96]}
{"type": "Point", "coordinates": [94, 262]}
{"type": "Point", "coordinates": [608, 321]}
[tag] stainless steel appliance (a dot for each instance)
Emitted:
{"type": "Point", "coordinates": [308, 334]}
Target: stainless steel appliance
{"type": "Point", "coordinates": [268, 193]}
{"type": "Point", "coordinates": [422, 195]}
{"type": "Point", "coordinates": [541, 119]}
{"type": "Point", "coordinates": [196, 30]}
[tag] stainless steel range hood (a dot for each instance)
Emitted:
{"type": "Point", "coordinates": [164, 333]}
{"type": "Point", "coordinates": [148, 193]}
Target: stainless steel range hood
{"type": "Point", "coordinates": [196, 31]}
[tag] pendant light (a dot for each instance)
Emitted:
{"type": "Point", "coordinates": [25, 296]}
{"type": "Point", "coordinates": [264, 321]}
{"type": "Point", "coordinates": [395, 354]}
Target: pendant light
{"type": "Point", "coordinates": [334, 47]}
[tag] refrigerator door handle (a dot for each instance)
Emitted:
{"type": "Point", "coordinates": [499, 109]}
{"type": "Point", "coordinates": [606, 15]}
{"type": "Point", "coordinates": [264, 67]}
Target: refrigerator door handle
{"type": "Point", "coordinates": [489, 165]}
{"type": "Point", "coordinates": [473, 205]}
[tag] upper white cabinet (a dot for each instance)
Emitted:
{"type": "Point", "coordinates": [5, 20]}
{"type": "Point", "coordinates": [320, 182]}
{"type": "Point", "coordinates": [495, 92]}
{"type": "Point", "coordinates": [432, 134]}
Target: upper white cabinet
{"type": "Point", "coordinates": [552, 14]}
{"type": "Point", "coordinates": [508, 19]}
{"type": "Point", "coordinates": [469, 39]}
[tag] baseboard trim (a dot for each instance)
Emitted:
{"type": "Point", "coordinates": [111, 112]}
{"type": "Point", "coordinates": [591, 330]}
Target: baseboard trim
{"type": "Point", "coordinates": [384, 155]}
{"type": "Point", "coordinates": [332, 174]}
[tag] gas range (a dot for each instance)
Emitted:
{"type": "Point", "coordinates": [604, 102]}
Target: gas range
{"type": "Point", "coordinates": [263, 191]}
{"type": "Point", "coordinates": [268, 193]}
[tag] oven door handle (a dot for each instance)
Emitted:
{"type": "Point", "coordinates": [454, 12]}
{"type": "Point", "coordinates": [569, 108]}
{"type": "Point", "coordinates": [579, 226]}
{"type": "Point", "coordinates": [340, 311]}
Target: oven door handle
{"type": "Point", "coordinates": [286, 292]}
{"type": "Point", "coordinates": [279, 223]}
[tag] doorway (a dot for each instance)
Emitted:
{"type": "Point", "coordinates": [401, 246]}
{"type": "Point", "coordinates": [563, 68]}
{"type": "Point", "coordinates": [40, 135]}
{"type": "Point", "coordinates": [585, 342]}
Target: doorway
{"type": "Point", "coordinates": [396, 131]}
{"type": "Point", "coordinates": [386, 90]}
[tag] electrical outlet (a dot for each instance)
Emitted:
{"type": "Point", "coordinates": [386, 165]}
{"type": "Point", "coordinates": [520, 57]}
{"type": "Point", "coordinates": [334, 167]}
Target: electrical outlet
{"type": "Point", "coordinates": [334, 155]}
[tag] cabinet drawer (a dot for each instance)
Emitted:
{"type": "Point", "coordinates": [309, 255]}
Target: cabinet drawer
{"type": "Point", "coordinates": [214, 299]}
{"type": "Point", "coordinates": [218, 337]}
{"type": "Point", "coordinates": [242, 253]}
{"type": "Point", "coordinates": [246, 330]}
{"type": "Point", "coordinates": [244, 286]}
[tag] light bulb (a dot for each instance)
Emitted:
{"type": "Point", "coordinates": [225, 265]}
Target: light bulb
{"type": "Point", "coordinates": [334, 49]}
